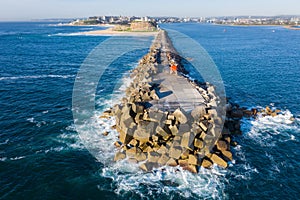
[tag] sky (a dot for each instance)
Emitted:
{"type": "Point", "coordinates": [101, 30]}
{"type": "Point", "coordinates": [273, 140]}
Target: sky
{"type": "Point", "coordinates": [15, 10]}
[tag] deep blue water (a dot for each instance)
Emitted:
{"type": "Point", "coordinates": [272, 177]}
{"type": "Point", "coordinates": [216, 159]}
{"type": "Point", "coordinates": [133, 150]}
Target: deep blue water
{"type": "Point", "coordinates": [43, 157]}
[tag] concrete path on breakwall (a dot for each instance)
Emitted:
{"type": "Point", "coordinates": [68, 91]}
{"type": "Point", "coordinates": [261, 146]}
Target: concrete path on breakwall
{"type": "Point", "coordinates": [175, 90]}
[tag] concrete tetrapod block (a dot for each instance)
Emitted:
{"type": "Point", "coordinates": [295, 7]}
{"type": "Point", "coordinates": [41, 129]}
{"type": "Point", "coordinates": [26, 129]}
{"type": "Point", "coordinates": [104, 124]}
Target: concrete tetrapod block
{"type": "Point", "coordinates": [153, 95]}
{"type": "Point", "coordinates": [130, 153]}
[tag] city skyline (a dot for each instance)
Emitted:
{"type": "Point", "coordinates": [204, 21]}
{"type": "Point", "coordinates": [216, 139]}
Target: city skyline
{"type": "Point", "coordinates": [36, 9]}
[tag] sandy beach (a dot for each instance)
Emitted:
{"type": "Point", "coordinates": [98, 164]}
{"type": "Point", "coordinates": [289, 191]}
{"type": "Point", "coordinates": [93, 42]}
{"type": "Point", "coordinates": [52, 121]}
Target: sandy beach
{"type": "Point", "coordinates": [111, 32]}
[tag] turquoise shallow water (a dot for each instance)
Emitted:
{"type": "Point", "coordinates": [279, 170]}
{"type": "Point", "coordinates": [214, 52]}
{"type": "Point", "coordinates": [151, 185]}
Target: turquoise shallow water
{"type": "Point", "coordinates": [43, 157]}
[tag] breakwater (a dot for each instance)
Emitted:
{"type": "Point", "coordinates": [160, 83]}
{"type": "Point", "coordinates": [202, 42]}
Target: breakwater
{"type": "Point", "coordinates": [167, 119]}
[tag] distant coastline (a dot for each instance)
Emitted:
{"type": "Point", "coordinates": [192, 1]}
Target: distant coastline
{"type": "Point", "coordinates": [292, 27]}
{"type": "Point", "coordinates": [132, 28]}
{"type": "Point", "coordinates": [111, 32]}
{"type": "Point", "coordinates": [262, 25]}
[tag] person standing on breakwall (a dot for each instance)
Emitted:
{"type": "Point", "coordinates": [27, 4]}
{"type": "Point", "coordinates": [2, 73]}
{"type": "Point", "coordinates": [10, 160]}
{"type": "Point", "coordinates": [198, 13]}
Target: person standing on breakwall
{"type": "Point", "coordinates": [173, 67]}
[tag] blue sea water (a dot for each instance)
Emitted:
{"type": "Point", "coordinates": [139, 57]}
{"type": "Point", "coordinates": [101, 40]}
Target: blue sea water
{"type": "Point", "coordinates": [43, 157]}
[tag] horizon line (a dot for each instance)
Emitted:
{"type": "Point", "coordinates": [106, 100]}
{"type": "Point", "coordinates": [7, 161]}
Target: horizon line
{"type": "Point", "coordinates": [71, 18]}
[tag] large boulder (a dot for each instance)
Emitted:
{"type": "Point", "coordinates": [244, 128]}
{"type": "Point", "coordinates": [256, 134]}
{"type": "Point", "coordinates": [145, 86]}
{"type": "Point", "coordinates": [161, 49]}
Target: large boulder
{"type": "Point", "coordinates": [137, 108]}
{"type": "Point", "coordinates": [126, 137]}
{"type": "Point", "coordinates": [148, 166]}
{"type": "Point", "coordinates": [180, 116]}
{"type": "Point", "coordinates": [198, 112]}
{"type": "Point", "coordinates": [153, 157]}
{"type": "Point", "coordinates": [157, 116]}
{"type": "Point", "coordinates": [236, 113]}
{"type": "Point", "coordinates": [206, 163]}
{"type": "Point", "coordinates": [141, 156]}
{"type": "Point", "coordinates": [227, 155]}
{"type": "Point", "coordinates": [173, 129]}
{"type": "Point", "coordinates": [163, 159]}
{"type": "Point", "coordinates": [192, 169]}
{"type": "Point", "coordinates": [218, 160]}
{"type": "Point", "coordinates": [187, 140]}
{"type": "Point", "coordinates": [203, 126]}
{"type": "Point", "coordinates": [144, 131]}
{"type": "Point", "coordinates": [198, 143]}
{"type": "Point", "coordinates": [162, 132]}
{"type": "Point", "coordinates": [153, 95]}
{"type": "Point", "coordinates": [119, 156]}
{"type": "Point", "coordinates": [172, 162]}
{"type": "Point", "coordinates": [193, 160]}
{"type": "Point", "coordinates": [221, 145]}
{"type": "Point", "coordinates": [183, 128]}
{"type": "Point", "coordinates": [175, 152]}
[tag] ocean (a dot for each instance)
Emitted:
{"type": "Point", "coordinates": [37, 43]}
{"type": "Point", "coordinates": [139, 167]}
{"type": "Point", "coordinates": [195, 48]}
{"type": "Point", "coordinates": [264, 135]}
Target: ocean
{"type": "Point", "coordinates": [44, 154]}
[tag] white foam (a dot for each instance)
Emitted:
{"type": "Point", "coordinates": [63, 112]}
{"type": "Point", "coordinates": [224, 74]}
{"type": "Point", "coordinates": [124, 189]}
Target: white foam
{"type": "Point", "coordinates": [265, 132]}
{"type": "Point", "coordinates": [72, 34]}
{"type": "Point", "coordinates": [18, 158]}
{"type": "Point", "coordinates": [31, 119]}
{"type": "Point", "coordinates": [263, 129]}
{"type": "Point", "coordinates": [55, 149]}
{"type": "Point", "coordinates": [5, 142]}
{"type": "Point", "coordinates": [168, 181]}
{"type": "Point", "coordinates": [36, 77]}
{"type": "Point", "coordinates": [3, 159]}
{"type": "Point", "coordinates": [127, 176]}
{"type": "Point", "coordinates": [70, 139]}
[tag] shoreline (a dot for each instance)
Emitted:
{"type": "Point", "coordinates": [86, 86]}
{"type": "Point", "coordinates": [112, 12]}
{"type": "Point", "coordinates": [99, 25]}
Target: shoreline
{"type": "Point", "coordinates": [111, 32]}
{"type": "Point", "coordinates": [263, 25]}
{"type": "Point", "coordinates": [91, 25]}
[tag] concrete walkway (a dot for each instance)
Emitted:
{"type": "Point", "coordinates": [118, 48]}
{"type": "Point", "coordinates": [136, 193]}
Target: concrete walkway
{"type": "Point", "coordinates": [175, 90]}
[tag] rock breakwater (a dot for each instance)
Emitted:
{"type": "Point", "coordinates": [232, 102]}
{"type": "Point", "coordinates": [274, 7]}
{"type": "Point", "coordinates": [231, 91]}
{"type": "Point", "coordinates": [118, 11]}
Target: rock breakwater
{"type": "Point", "coordinates": [154, 137]}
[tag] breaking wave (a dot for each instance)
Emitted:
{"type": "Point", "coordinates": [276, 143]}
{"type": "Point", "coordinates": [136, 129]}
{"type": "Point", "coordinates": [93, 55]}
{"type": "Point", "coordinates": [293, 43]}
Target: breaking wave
{"type": "Point", "coordinates": [36, 77]}
{"type": "Point", "coordinates": [263, 129]}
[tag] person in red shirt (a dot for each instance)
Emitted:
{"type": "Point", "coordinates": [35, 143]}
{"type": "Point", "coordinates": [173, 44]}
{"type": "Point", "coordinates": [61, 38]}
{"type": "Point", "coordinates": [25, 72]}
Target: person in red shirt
{"type": "Point", "coordinates": [173, 69]}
